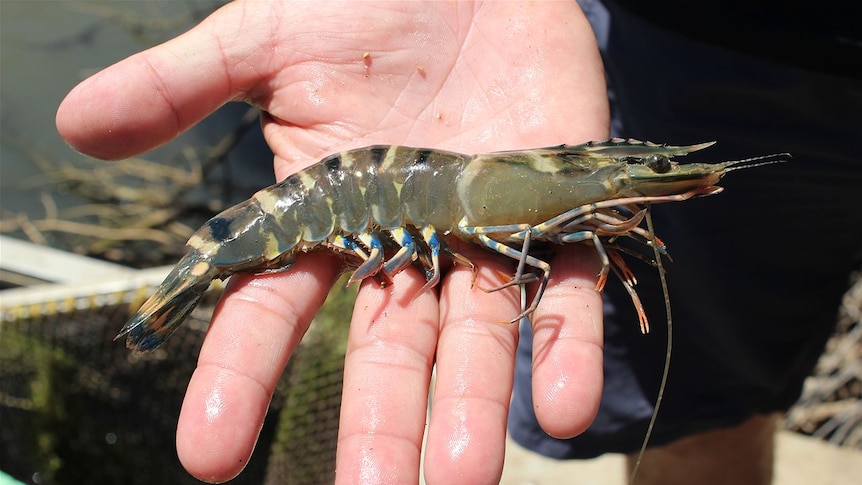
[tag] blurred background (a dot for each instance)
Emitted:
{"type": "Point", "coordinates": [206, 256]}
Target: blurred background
{"type": "Point", "coordinates": [75, 406]}
{"type": "Point", "coordinates": [75, 234]}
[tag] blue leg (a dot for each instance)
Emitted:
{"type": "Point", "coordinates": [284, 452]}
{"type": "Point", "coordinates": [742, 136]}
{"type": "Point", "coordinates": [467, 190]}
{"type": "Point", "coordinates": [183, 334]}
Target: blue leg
{"type": "Point", "coordinates": [406, 253]}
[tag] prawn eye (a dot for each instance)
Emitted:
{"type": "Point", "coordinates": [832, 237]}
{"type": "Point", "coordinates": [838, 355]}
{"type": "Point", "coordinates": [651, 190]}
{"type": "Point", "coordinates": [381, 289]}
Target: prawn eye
{"type": "Point", "coordinates": [658, 163]}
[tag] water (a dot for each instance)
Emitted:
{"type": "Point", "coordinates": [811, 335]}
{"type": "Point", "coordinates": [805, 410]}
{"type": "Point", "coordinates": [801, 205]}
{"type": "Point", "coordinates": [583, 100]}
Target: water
{"type": "Point", "coordinates": [47, 47]}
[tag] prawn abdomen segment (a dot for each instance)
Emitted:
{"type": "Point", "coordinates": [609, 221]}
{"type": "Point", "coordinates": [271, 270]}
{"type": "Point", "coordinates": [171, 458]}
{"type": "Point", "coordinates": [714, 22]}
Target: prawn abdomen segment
{"type": "Point", "coordinates": [257, 235]}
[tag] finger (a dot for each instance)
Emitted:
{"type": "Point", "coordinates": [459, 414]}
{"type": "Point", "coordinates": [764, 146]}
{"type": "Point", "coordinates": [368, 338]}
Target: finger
{"type": "Point", "coordinates": [387, 370]}
{"type": "Point", "coordinates": [567, 345]}
{"type": "Point", "coordinates": [255, 328]}
{"type": "Point", "coordinates": [475, 368]}
{"type": "Point", "coordinates": [148, 99]}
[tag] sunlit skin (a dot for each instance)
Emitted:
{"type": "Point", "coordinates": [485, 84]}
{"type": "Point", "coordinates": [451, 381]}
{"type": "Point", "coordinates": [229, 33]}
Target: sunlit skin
{"type": "Point", "coordinates": [457, 76]}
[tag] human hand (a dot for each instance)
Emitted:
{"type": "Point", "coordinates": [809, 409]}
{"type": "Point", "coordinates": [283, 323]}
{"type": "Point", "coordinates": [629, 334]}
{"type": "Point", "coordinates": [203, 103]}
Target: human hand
{"type": "Point", "coordinates": [468, 77]}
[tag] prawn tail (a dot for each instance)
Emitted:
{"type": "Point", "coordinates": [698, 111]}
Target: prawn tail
{"type": "Point", "coordinates": [161, 315]}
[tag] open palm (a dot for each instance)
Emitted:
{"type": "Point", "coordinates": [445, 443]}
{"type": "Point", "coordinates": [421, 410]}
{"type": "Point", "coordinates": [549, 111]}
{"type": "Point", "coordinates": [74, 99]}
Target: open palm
{"type": "Point", "coordinates": [467, 77]}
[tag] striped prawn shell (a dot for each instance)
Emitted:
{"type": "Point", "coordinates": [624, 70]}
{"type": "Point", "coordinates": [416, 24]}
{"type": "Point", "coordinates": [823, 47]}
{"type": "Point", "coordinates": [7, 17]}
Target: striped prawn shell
{"type": "Point", "coordinates": [367, 199]}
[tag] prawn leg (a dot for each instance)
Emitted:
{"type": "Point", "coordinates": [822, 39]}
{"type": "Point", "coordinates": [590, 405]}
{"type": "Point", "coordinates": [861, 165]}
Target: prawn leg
{"type": "Point", "coordinates": [628, 279]}
{"type": "Point", "coordinates": [429, 236]}
{"type": "Point", "coordinates": [480, 234]}
{"type": "Point", "coordinates": [406, 253]}
{"type": "Point", "coordinates": [366, 247]}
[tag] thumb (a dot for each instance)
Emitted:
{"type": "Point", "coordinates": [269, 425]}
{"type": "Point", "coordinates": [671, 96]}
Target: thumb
{"type": "Point", "coordinates": [151, 97]}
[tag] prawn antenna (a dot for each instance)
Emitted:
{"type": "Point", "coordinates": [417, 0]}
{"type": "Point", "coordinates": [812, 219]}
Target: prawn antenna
{"type": "Point", "coordinates": [663, 384]}
{"type": "Point", "coordinates": [755, 161]}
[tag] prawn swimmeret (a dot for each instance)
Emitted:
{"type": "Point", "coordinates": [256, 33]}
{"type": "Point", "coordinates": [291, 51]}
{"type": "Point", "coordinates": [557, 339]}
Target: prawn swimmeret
{"type": "Point", "coordinates": [389, 207]}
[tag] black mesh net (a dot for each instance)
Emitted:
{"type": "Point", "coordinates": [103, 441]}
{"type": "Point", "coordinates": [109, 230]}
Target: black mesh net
{"type": "Point", "coordinates": [77, 407]}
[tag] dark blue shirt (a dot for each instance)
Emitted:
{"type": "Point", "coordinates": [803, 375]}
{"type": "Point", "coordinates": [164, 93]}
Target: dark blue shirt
{"type": "Point", "coordinates": [824, 36]}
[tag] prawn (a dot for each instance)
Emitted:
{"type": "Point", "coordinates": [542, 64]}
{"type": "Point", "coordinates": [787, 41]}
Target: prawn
{"type": "Point", "coordinates": [388, 207]}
